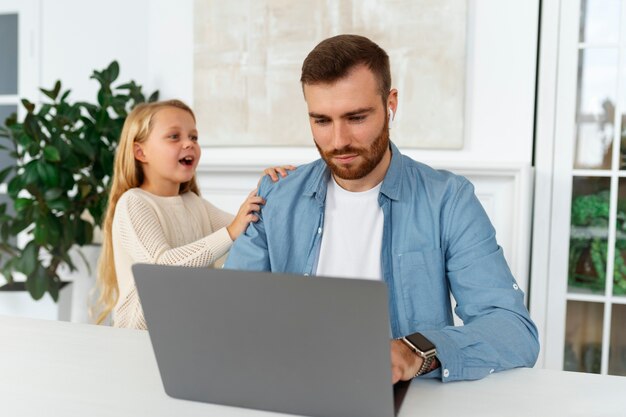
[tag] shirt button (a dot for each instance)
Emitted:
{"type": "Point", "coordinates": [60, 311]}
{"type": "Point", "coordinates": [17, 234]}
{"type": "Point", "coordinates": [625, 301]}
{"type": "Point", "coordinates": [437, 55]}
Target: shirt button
{"type": "Point", "coordinates": [491, 371]}
{"type": "Point", "coordinates": [306, 274]}
{"type": "Point", "coordinates": [446, 373]}
{"type": "Point", "coordinates": [515, 287]}
{"type": "Point", "coordinates": [319, 231]}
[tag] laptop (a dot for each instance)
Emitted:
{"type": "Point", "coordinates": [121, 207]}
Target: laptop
{"type": "Point", "coordinates": [313, 346]}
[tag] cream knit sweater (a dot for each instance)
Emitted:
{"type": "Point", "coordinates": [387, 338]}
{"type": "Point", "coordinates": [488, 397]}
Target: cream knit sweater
{"type": "Point", "coordinates": [182, 230]}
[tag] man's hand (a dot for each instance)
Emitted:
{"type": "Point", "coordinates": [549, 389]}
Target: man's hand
{"type": "Point", "coordinates": [404, 362]}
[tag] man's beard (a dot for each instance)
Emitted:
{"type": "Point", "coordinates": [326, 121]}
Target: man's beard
{"type": "Point", "coordinates": [371, 157]}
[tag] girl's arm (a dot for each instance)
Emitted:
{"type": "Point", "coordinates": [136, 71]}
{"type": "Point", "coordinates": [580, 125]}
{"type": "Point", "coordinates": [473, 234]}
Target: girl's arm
{"type": "Point", "coordinates": [143, 238]}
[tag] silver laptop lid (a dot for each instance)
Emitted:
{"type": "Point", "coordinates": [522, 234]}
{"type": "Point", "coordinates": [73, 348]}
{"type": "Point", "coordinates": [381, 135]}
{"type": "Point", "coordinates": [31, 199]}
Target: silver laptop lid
{"type": "Point", "coordinates": [314, 346]}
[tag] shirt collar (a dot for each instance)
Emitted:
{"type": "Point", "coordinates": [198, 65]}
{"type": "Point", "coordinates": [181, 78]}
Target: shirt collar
{"type": "Point", "coordinates": [393, 177]}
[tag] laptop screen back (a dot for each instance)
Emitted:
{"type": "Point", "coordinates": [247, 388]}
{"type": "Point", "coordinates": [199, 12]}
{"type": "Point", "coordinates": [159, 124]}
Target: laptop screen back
{"type": "Point", "coordinates": [304, 345]}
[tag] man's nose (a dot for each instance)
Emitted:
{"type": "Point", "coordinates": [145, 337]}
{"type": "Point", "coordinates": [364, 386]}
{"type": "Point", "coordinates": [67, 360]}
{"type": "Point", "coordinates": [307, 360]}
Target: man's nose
{"type": "Point", "coordinates": [341, 136]}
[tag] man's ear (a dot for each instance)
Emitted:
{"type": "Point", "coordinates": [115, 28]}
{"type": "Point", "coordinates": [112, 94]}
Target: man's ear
{"type": "Point", "coordinates": [138, 152]}
{"type": "Point", "coordinates": [392, 101]}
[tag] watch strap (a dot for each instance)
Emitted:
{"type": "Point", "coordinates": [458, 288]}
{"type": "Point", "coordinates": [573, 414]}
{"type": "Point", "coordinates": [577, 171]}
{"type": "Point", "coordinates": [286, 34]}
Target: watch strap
{"type": "Point", "coordinates": [426, 364]}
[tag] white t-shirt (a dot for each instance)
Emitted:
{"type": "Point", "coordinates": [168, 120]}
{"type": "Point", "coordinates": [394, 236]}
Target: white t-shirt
{"type": "Point", "coordinates": [353, 234]}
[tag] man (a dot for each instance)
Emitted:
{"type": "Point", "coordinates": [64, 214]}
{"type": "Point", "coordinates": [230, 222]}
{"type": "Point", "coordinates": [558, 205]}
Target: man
{"type": "Point", "coordinates": [364, 210]}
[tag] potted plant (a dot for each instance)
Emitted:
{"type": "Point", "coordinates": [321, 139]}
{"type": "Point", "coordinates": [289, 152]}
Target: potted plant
{"type": "Point", "coordinates": [58, 185]}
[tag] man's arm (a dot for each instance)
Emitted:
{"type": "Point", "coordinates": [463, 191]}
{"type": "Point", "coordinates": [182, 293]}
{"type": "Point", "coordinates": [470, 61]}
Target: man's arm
{"type": "Point", "coordinates": [498, 333]}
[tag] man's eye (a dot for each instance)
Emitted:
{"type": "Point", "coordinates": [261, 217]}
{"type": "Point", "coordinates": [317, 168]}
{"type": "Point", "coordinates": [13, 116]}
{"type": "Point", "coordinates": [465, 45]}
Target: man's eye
{"type": "Point", "coordinates": [358, 118]}
{"type": "Point", "coordinates": [321, 121]}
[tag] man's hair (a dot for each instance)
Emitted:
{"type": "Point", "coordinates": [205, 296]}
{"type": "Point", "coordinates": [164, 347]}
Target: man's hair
{"type": "Point", "coordinates": [333, 58]}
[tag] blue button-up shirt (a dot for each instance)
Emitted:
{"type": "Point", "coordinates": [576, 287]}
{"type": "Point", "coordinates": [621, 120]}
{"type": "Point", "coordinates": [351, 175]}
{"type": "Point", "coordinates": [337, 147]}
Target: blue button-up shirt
{"type": "Point", "coordinates": [437, 240]}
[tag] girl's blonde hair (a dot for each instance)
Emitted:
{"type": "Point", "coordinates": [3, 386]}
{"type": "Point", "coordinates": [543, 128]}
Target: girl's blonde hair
{"type": "Point", "coordinates": [127, 174]}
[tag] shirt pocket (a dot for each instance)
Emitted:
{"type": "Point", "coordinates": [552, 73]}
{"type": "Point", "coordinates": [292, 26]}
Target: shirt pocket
{"type": "Point", "coordinates": [424, 289]}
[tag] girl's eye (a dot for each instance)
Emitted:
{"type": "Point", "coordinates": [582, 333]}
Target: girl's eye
{"type": "Point", "coordinates": [194, 138]}
{"type": "Point", "coordinates": [174, 136]}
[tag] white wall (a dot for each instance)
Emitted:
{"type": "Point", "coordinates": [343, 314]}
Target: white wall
{"type": "Point", "coordinates": [153, 42]}
{"type": "Point", "coordinates": [79, 36]}
{"type": "Point", "coordinates": [502, 49]}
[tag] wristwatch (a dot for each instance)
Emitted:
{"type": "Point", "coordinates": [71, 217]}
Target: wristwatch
{"type": "Point", "coordinates": [422, 347]}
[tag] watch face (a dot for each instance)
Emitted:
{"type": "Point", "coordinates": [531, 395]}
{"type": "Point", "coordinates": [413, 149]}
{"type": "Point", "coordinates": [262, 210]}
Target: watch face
{"type": "Point", "coordinates": [420, 342]}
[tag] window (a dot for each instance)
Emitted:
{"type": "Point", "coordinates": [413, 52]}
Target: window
{"type": "Point", "coordinates": [8, 84]}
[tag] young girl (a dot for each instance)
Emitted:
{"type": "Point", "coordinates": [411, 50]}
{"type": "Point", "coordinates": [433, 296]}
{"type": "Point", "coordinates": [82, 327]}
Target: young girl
{"type": "Point", "coordinates": [155, 213]}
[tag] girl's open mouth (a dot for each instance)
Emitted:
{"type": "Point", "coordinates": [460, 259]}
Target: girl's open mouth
{"type": "Point", "coordinates": [188, 160]}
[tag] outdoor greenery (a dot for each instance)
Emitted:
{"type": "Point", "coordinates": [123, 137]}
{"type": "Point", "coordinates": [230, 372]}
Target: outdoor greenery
{"type": "Point", "coordinates": [59, 182]}
{"type": "Point", "coordinates": [588, 253]}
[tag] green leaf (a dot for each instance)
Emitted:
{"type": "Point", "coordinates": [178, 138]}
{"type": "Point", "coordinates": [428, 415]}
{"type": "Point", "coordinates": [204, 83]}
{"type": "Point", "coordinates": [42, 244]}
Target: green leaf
{"type": "Point", "coordinates": [31, 174]}
{"type": "Point", "coordinates": [51, 153]}
{"type": "Point", "coordinates": [126, 86]}
{"type": "Point", "coordinates": [11, 120]}
{"type": "Point", "coordinates": [44, 111]}
{"type": "Point", "coordinates": [32, 128]}
{"type": "Point", "coordinates": [42, 232]}
{"type": "Point", "coordinates": [83, 147]}
{"type": "Point", "coordinates": [52, 94]}
{"type": "Point", "coordinates": [65, 95]}
{"type": "Point", "coordinates": [30, 258]}
{"type": "Point", "coordinates": [19, 225]}
{"type": "Point", "coordinates": [102, 98]}
{"type": "Point", "coordinates": [5, 173]}
{"type": "Point", "coordinates": [107, 160]}
{"type": "Point", "coordinates": [5, 227]}
{"type": "Point", "coordinates": [53, 289]}
{"type": "Point", "coordinates": [59, 204]}
{"type": "Point", "coordinates": [153, 97]}
{"type": "Point", "coordinates": [57, 88]}
{"type": "Point", "coordinates": [84, 232]}
{"type": "Point", "coordinates": [24, 140]}
{"type": "Point", "coordinates": [53, 193]}
{"type": "Point", "coordinates": [97, 75]}
{"type": "Point", "coordinates": [37, 283]}
{"type": "Point", "coordinates": [54, 232]}
{"type": "Point", "coordinates": [22, 203]}
{"type": "Point", "coordinates": [15, 185]}
{"type": "Point", "coordinates": [28, 105]}
{"type": "Point", "coordinates": [114, 71]}
{"type": "Point", "coordinates": [48, 174]}
{"type": "Point", "coordinates": [48, 93]}
{"type": "Point", "coordinates": [7, 270]}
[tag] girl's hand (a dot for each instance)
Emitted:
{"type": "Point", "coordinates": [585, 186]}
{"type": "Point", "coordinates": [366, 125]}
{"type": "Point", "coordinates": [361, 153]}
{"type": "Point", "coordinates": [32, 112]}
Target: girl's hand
{"type": "Point", "coordinates": [273, 172]}
{"type": "Point", "coordinates": [245, 215]}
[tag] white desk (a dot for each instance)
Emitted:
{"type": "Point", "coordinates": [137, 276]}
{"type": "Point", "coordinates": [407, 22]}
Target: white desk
{"type": "Point", "coordinates": [50, 368]}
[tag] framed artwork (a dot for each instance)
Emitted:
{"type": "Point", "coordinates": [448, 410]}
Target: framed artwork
{"type": "Point", "coordinates": [248, 55]}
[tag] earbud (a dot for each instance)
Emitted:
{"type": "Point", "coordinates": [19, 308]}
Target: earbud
{"type": "Point", "coordinates": [390, 118]}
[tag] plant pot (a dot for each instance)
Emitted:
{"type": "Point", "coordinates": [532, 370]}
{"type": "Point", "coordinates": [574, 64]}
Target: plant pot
{"type": "Point", "coordinates": [81, 281]}
{"type": "Point", "coordinates": [16, 301]}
